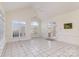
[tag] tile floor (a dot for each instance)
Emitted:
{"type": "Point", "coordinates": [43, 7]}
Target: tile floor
{"type": "Point", "coordinates": [40, 48]}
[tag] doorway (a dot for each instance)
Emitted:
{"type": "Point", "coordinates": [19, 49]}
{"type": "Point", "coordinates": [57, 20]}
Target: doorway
{"type": "Point", "coordinates": [18, 29]}
{"type": "Point", "coordinates": [52, 30]}
{"type": "Point", "coordinates": [36, 29]}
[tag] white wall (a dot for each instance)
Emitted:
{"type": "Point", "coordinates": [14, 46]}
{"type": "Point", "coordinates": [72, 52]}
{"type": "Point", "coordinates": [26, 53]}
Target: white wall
{"type": "Point", "coordinates": [24, 14]}
{"type": "Point", "coordinates": [68, 35]}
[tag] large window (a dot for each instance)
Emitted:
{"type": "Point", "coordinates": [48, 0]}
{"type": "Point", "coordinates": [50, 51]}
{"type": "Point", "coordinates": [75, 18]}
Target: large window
{"type": "Point", "coordinates": [2, 33]}
{"type": "Point", "coordinates": [1, 30]}
{"type": "Point", "coordinates": [18, 28]}
{"type": "Point", "coordinates": [36, 28]}
{"type": "Point", "coordinates": [52, 29]}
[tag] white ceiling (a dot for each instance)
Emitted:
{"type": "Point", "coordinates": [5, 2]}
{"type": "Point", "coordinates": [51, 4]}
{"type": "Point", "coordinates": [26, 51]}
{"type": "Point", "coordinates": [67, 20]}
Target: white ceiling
{"type": "Point", "coordinates": [44, 8]}
{"type": "Point", "coordinates": [9, 6]}
{"type": "Point", "coordinates": [53, 8]}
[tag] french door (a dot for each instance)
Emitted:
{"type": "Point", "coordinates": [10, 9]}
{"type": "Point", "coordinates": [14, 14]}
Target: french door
{"type": "Point", "coordinates": [18, 29]}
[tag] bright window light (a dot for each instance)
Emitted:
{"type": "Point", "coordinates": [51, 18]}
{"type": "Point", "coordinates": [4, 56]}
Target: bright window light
{"type": "Point", "coordinates": [20, 22]}
{"type": "Point", "coordinates": [35, 23]}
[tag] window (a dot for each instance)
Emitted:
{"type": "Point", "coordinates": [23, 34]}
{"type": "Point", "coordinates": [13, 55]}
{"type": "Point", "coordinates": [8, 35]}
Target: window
{"type": "Point", "coordinates": [35, 24]}
{"type": "Point", "coordinates": [18, 28]}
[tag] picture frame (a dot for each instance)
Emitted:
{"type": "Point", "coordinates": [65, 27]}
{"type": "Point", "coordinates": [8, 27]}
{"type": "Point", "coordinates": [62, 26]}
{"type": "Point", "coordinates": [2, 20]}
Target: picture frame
{"type": "Point", "coordinates": [67, 25]}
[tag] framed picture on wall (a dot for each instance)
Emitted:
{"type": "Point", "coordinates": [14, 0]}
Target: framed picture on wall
{"type": "Point", "coordinates": [67, 25]}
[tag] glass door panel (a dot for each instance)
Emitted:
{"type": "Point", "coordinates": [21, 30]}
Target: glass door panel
{"type": "Point", "coordinates": [35, 29]}
{"type": "Point", "coordinates": [18, 28]}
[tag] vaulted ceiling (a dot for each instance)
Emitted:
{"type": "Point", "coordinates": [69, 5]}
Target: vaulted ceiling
{"type": "Point", "coordinates": [46, 9]}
